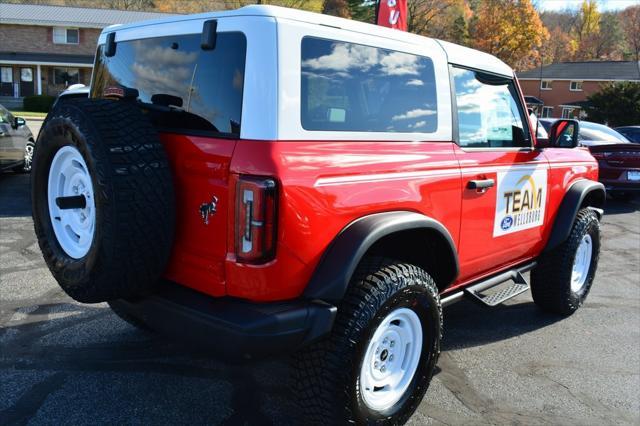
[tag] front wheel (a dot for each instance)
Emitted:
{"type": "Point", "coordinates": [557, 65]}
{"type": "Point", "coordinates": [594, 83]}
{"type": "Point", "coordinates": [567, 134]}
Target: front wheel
{"type": "Point", "coordinates": [25, 167]}
{"type": "Point", "coordinates": [563, 278]}
{"type": "Point", "coordinates": [378, 361]}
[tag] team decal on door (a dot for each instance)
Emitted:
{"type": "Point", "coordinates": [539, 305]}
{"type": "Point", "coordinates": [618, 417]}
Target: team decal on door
{"type": "Point", "coordinates": [521, 199]}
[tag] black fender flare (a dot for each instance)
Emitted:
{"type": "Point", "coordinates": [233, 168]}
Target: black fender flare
{"type": "Point", "coordinates": [340, 260]}
{"type": "Point", "coordinates": [573, 200]}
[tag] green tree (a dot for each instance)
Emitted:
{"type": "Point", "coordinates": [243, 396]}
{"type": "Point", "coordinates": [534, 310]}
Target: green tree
{"type": "Point", "coordinates": [586, 30]}
{"type": "Point", "coordinates": [616, 104]}
{"type": "Point", "coordinates": [362, 10]}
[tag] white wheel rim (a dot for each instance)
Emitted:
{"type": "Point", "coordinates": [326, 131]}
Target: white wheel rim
{"type": "Point", "coordinates": [391, 359]}
{"type": "Point", "coordinates": [69, 176]}
{"type": "Point", "coordinates": [581, 264]}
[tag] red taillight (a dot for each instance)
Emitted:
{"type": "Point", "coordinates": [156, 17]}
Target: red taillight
{"type": "Point", "coordinates": [255, 219]}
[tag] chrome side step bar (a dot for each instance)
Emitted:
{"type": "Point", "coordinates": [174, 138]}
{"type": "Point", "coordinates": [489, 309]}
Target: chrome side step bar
{"type": "Point", "coordinates": [478, 290]}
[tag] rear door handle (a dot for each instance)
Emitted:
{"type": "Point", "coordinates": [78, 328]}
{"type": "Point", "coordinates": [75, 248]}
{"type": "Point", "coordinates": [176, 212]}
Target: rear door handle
{"type": "Point", "coordinates": [480, 184]}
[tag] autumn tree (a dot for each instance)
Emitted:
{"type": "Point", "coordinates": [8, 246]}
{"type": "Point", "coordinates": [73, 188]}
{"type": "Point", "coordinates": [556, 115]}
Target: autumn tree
{"type": "Point", "coordinates": [509, 29]}
{"type": "Point", "coordinates": [421, 13]}
{"type": "Point", "coordinates": [558, 48]}
{"type": "Point", "coordinates": [336, 8]}
{"type": "Point", "coordinates": [607, 44]}
{"type": "Point", "coordinates": [631, 25]}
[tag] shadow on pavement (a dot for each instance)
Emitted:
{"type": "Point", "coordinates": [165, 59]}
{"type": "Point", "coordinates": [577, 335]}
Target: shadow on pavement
{"type": "Point", "coordinates": [110, 371]}
{"type": "Point", "coordinates": [614, 206]}
{"type": "Point", "coordinates": [77, 345]}
{"type": "Point", "coordinates": [467, 324]}
{"type": "Point", "coordinates": [15, 195]}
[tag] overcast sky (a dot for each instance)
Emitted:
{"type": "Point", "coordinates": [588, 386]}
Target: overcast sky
{"type": "Point", "coordinates": [572, 4]}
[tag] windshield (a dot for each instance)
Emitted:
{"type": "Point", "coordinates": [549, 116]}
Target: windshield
{"type": "Point", "coordinates": [632, 134]}
{"type": "Point", "coordinates": [598, 132]}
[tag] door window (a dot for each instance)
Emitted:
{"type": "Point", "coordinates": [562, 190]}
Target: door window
{"type": "Point", "coordinates": [5, 116]}
{"type": "Point", "coordinates": [490, 114]}
{"type": "Point", "coordinates": [66, 76]}
{"type": "Point", "coordinates": [567, 112]}
{"type": "Point", "coordinates": [26, 75]}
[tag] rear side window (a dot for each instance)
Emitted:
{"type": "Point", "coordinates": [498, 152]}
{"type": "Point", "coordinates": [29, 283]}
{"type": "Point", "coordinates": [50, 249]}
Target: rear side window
{"type": "Point", "coordinates": [356, 88]}
{"type": "Point", "coordinates": [184, 88]}
{"type": "Point", "coordinates": [489, 113]}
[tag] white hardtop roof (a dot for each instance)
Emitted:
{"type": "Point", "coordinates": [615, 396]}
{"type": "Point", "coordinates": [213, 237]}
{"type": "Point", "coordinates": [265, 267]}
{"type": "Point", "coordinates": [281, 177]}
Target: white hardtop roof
{"type": "Point", "coordinates": [456, 54]}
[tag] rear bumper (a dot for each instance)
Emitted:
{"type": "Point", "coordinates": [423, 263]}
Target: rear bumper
{"type": "Point", "coordinates": [232, 327]}
{"type": "Point", "coordinates": [616, 179]}
{"type": "Point", "coordinates": [616, 186]}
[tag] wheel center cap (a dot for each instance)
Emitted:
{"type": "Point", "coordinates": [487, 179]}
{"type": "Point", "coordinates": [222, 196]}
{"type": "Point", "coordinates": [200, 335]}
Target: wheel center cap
{"type": "Point", "coordinates": [384, 355]}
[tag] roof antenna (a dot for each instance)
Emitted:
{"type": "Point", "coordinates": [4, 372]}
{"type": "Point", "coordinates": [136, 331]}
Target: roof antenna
{"type": "Point", "coordinates": [209, 32]}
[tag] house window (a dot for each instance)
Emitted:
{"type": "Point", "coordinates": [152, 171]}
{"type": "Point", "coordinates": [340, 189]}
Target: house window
{"type": "Point", "coordinates": [545, 84]}
{"type": "Point", "coordinates": [66, 35]}
{"type": "Point", "coordinates": [567, 112]}
{"type": "Point", "coordinates": [546, 111]}
{"type": "Point", "coordinates": [6, 74]}
{"type": "Point", "coordinates": [66, 76]}
{"type": "Point", "coordinates": [575, 86]}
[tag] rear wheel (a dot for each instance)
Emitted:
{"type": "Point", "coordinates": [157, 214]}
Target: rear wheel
{"type": "Point", "coordinates": [378, 361]}
{"type": "Point", "coordinates": [102, 200]}
{"type": "Point", "coordinates": [563, 278]}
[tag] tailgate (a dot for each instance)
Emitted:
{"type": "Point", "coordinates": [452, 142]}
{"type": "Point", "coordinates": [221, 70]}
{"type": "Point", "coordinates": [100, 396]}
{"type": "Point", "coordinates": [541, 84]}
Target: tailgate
{"type": "Point", "coordinates": [200, 167]}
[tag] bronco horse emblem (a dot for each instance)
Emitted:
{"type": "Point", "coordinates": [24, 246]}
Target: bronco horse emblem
{"type": "Point", "coordinates": [208, 209]}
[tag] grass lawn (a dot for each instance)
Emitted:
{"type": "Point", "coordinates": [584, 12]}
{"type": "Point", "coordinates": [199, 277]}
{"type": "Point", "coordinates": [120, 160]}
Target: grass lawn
{"type": "Point", "coordinates": [29, 114]}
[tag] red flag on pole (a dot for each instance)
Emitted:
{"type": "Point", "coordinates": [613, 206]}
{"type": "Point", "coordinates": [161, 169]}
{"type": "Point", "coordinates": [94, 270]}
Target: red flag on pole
{"type": "Point", "coordinates": [392, 14]}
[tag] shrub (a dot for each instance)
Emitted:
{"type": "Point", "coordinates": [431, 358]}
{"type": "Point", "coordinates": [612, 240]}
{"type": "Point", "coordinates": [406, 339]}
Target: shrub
{"type": "Point", "coordinates": [616, 104]}
{"type": "Point", "coordinates": [38, 103]}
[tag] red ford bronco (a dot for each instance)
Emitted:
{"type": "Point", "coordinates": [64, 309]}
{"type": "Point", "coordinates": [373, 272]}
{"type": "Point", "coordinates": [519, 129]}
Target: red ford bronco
{"type": "Point", "coordinates": [285, 181]}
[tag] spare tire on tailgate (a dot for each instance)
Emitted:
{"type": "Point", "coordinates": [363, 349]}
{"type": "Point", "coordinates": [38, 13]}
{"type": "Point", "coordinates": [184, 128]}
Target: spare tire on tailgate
{"type": "Point", "coordinates": [102, 199]}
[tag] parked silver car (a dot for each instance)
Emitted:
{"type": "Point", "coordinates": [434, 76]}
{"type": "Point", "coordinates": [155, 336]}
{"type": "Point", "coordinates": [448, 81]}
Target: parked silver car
{"type": "Point", "coordinates": [16, 143]}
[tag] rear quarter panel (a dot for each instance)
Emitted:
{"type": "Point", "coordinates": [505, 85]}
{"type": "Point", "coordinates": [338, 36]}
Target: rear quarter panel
{"type": "Point", "coordinates": [325, 185]}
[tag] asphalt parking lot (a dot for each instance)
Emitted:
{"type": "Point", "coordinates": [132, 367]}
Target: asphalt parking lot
{"type": "Point", "coordinates": [62, 362]}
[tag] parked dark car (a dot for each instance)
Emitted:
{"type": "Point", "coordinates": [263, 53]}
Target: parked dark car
{"type": "Point", "coordinates": [630, 132]}
{"type": "Point", "coordinates": [618, 158]}
{"type": "Point", "coordinates": [16, 143]}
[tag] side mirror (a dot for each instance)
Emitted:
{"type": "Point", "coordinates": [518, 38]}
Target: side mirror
{"type": "Point", "coordinates": [564, 134]}
{"type": "Point", "coordinates": [18, 122]}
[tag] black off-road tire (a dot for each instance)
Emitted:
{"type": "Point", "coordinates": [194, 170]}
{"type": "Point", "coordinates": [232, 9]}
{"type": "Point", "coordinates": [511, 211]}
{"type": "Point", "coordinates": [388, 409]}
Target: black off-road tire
{"type": "Point", "coordinates": [124, 315]}
{"type": "Point", "coordinates": [551, 279]}
{"type": "Point", "coordinates": [133, 194]}
{"type": "Point", "coordinates": [327, 373]}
